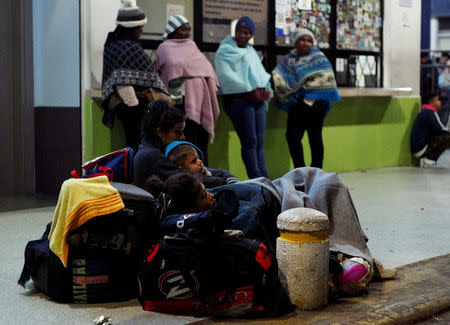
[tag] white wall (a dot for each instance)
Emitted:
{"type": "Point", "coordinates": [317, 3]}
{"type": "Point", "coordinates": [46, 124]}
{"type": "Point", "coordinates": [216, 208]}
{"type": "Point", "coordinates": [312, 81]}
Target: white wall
{"type": "Point", "coordinates": [98, 19]}
{"type": "Point", "coordinates": [56, 49]}
{"type": "Point", "coordinates": [402, 45]}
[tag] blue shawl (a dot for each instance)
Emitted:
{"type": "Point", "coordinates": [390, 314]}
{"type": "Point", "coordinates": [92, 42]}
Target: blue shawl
{"type": "Point", "coordinates": [239, 70]}
{"type": "Point", "coordinates": [310, 76]}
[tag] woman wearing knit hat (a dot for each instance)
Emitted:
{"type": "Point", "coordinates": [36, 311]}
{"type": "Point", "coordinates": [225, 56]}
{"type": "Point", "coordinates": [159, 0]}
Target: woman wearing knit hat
{"type": "Point", "coordinates": [245, 86]}
{"type": "Point", "coordinates": [128, 73]}
{"type": "Point", "coordinates": [304, 85]}
{"type": "Point", "coordinates": [190, 80]}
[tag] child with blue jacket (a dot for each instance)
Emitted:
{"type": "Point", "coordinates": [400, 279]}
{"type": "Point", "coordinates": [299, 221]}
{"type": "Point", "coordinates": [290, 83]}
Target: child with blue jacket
{"type": "Point", "coordinates": [429, 137]}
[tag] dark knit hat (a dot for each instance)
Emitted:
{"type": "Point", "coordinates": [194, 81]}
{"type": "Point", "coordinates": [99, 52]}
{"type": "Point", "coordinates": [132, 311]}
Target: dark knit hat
{"type": "Point", "coordinates": [130, 15]}
{"type": "Point", "coordinates": [246, 22]}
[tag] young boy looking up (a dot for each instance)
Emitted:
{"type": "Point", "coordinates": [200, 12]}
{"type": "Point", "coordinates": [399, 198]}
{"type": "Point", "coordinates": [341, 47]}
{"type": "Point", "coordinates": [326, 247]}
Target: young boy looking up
{"type": "Point", "coordinates": [429, 137]}
{"type": "Point", "coordinates": [189, 158]}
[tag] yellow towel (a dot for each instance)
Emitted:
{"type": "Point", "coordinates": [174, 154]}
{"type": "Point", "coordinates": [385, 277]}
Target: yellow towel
{"type": "Point", "coordinates": [80, 200]}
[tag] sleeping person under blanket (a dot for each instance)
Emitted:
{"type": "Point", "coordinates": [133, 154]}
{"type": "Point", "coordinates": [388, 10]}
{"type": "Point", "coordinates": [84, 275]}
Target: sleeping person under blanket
{"type": "Point", "coordinates": [254, 206]}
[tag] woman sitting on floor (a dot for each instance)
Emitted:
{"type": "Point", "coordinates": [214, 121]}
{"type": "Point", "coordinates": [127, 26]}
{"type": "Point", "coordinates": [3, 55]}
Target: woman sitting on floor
{"type": "Point", "coordinates": [162, 125]}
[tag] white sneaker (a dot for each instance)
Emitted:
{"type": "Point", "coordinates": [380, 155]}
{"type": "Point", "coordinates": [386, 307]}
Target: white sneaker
{"type": "Point", "coordinates": [425, 163]}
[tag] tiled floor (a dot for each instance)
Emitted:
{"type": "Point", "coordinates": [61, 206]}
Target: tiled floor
{"type": "Point", "coordinates": [404, 211]}
{"type": "Point", "coordinates": [27, 202]}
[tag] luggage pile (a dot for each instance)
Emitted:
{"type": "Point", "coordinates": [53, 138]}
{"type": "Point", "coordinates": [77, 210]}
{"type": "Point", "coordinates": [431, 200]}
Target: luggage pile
{"type": "Point", "coordinates": [104, 253]}
{"type": "Point", "coordinates": [112, 241]}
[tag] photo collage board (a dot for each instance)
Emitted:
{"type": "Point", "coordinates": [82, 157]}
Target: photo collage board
{"type": "Point", "coordinates": [358, 23]}
{"type": "Point", "coordinates": [311, 14]}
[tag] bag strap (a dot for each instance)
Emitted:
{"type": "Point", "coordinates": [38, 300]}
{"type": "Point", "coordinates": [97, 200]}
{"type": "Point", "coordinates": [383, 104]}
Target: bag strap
{"type": "Point", "coordinates": [102, 170]}
{"type": "Point", "coordinates": [75, 174]}
{"type": "Point", "coordinates": [125, 164]}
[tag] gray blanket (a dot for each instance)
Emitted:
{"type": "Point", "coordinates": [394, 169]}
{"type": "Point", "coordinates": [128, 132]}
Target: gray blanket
{"type": "Point", "coordinates": [314, 188]}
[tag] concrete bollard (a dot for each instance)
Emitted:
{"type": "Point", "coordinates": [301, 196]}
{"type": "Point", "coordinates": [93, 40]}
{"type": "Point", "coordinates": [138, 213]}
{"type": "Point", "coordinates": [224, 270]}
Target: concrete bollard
{"type": "Point", "coordinates": [302, 253]}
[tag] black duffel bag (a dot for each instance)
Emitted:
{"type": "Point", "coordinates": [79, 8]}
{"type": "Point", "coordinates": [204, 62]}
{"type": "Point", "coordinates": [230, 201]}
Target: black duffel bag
{"type": "Point", "coordinates": [87, 279]}
{"type": "Point", "coordinates": [227, 275]}
{"type": "Point", "coordinates": [46, 270]}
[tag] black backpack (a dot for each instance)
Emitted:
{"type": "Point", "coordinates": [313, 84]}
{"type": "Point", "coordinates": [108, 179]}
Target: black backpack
{"type": "Point", "coordinates": [86, 279]}
{"type": "Point", "coordinates": [225, 275]}
{"type": "Point", "coordinates": [104, 254]}
{"type": "Point", "coordinates": [46, 270]}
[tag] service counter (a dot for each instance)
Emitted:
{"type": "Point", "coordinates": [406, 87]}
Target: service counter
{"type": "Point", "coordinates": [369, 128]}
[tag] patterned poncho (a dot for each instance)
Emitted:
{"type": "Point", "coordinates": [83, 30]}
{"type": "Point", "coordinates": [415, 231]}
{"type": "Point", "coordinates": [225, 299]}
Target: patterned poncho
{"type": "Point", "coordinates": [310, 76]}
{"type": "Point", "coordinates": [125, 63]}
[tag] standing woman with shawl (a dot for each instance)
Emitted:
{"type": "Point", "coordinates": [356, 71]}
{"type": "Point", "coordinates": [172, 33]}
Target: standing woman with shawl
{"type": "Point", "coordinates": [128, 73]}
{"type": "Point", "coordinates": [304, 85]}
{"type": "Point", "coordinates": [245, 86]}
{"type": "Point", "coordinates": [191, 81]}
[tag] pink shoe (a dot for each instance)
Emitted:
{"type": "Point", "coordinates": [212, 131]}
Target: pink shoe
{"type": "Point", "coordinates": [356, 276]}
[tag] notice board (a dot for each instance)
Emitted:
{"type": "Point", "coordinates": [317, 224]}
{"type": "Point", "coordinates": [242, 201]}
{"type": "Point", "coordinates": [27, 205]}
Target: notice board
{"type": "Point", "coordinates": [218, 15]}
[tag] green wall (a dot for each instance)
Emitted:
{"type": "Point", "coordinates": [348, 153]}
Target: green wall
{"type": "Point", "coordinates": [97, 138]}
{"type": "Point", "coordinates": [359, 133]}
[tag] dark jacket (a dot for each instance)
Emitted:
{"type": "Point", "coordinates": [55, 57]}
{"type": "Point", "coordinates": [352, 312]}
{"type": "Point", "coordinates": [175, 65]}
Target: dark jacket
{"type": "Point", "coordinates": [257, 211]}
{"type": "Point", "coordinates": [426, 125]}
{"type": "Point", "coordinates": [217, 177]}
{"type": "Point", "coordinates": [149, 161]}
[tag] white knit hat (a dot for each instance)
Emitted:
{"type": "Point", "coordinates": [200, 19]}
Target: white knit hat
{"type": "Point", "coordinates": [173, 24]}
{"type": "Point", "coordinates": [130, 15]}
{"type": "Point", "coordinates": [299, 32]}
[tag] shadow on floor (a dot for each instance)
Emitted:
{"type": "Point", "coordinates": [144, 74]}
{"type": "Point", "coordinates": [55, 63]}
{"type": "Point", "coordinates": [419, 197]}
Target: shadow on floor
{"type": "Point", "coordinates": [27, 202]}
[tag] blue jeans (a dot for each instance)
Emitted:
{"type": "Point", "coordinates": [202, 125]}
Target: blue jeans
{"type": "Point", "coordinates": [249, 121]}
